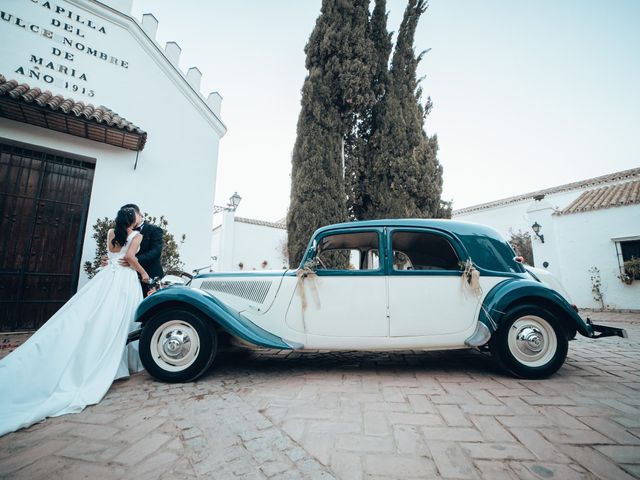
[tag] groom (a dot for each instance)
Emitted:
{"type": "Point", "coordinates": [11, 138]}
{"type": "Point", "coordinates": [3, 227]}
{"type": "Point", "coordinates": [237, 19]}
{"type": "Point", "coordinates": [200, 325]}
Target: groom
{"type": "Point", "coordinates": [150, 247]}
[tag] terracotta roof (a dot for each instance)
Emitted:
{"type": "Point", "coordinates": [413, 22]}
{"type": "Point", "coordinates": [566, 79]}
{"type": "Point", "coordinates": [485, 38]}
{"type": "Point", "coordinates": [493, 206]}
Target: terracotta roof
{"type": "Point", "coordinates": [612, 196]}
{"type": "Point", "coordinates": [567, 187]}
{"type": "Point", "coordinates": [261, 223]}
{"type": "Point", "coordinates": [22, 103]}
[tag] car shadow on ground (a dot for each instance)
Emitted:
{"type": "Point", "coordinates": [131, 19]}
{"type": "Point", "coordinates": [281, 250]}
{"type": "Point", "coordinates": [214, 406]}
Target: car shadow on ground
{"type": "Point", "coordinates": [242, 361]}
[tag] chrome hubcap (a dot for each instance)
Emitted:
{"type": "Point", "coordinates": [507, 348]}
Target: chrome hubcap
{"type": "Point", "coordinates": [176, 344]}
{"type": "Point", "coordinates": [530, 339]}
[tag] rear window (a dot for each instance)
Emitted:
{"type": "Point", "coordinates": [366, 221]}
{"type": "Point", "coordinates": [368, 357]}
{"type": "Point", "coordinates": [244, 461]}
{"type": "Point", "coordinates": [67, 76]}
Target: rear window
{"type": "Point", "coordinates": [422, 251]}
{"type": "Point", "coordinates": [491, 253]}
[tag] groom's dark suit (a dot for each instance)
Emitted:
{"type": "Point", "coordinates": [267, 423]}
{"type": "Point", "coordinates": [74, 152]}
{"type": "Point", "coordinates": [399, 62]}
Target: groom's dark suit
{"type": "Point", "coordinates": [150, 251]}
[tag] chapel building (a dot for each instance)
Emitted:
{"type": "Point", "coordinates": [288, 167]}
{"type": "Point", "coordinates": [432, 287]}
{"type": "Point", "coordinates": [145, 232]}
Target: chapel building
{"type": "Point", "coordinates": [94, 114]}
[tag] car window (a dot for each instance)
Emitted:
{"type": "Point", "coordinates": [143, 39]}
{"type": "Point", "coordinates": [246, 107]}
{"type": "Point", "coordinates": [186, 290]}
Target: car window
{"type": "Point", "coordinates": [491, 254]}
{"type": "Point", "coordinates": [339, 259]}
{"type": "Point", "coordinates": [422, 251]}
{"type": "Point", "coordinates": [373, 259]}
{"type": "Point", "coordinates": [401, 261]}
{"type": "Point", "coordinates": [348, 251]}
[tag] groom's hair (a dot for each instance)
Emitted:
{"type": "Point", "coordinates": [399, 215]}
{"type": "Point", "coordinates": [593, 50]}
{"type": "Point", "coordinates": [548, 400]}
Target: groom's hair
{"type": "Point", "coordinates": [132, 205]}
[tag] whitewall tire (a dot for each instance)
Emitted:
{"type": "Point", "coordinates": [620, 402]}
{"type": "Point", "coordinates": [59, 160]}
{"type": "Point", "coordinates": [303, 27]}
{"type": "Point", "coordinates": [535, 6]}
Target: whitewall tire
{"type": "Point", "coordinates": [177, 345]}
{"type": "Point", "coordinates": [530, 342]}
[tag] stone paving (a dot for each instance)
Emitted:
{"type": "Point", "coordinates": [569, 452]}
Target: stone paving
{"type": "Point", "coordinates": [287, 415]}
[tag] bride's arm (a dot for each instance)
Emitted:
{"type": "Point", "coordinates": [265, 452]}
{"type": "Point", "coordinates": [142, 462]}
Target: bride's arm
{"type": "Point", "coordinates": [130, 257]}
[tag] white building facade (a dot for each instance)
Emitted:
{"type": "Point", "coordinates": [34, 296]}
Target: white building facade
{"type": "Point", "coordinates": [587, 230]}
{"type": "Point", "coordinates": [246, 244]}
{"type": "Point", "coordinates": [68, 159]}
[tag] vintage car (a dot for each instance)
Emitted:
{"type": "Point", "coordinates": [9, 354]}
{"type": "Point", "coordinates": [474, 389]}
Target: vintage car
{"type": "Point", "coordinates": [377, 286]}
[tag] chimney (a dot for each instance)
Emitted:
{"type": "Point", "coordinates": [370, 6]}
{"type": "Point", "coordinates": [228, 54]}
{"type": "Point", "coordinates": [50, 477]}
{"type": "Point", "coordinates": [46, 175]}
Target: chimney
{"type": "Point", "coordinates": [172, 51]}
{"type": "Point", "coordinates": [193, 77]}
{"type": "Point", "coordinates": [214, 101]}
{"type": "Point", "coordinates": [150, 25]}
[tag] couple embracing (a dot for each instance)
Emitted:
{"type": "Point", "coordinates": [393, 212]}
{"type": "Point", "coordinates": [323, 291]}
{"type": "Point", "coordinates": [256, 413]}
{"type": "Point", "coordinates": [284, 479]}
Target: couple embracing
{"type": "Point", "coordinates": [71, 361]}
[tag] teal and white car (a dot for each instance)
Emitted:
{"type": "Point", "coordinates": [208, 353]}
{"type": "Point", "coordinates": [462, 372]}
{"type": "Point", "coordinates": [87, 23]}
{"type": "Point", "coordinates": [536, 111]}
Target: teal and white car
{"type": "Point", "coordinates": [377, 286]}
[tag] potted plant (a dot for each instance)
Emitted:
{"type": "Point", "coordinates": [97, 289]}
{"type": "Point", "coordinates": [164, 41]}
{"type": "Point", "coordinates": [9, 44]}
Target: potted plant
{"type": "Point", "coordinates": [625, 278]}
{"type": "Point", "coordinates": [631, 271]}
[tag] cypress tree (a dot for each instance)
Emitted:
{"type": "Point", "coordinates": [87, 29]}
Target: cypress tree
{"type": "Point", "coordinates": [404, 175]}
{"type": "Point", "coordinates": [359, 169]}
{"type": "Point", "coordinates": [381, 43]}
{"type": "Point", "coordinates": [335, 90]}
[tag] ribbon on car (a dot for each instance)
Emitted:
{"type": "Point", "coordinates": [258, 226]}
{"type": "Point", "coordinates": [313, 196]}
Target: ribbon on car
{"type": "Point", "coordinates": [471, 277]}
{"type": "Point", "coordinates": [307, 272]}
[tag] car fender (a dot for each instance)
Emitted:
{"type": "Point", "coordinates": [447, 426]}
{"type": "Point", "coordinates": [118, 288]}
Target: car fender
{"type": "Point", "coordinates": [517, 290]}
{"type": "Point", "coordinates": [227, 318]}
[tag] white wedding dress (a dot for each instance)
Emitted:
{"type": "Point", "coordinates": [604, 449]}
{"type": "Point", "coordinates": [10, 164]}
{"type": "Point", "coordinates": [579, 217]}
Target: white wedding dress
{"type": "Point", "coordinates": [74, 358]}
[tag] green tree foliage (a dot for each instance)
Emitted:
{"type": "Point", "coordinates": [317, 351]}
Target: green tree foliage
{"type": "Point", "coordinates": [361, 150]}
{"type": "Point", "coordinates": [402, 174]}
{"type": "Point", "coordinates": [357, 158]}
{"type": "Point", "coordinates": [170, 258]}
{"type": "Point", "coordinates": [335, 91]}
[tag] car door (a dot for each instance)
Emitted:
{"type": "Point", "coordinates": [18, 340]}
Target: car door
{"type": "Point", "coordinates": [347, 295]}
{"type": "Point", "coordinates": [426, 294]}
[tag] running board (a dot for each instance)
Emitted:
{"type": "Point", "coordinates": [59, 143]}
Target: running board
{"type": "Point", "coordinates": [600, 331]}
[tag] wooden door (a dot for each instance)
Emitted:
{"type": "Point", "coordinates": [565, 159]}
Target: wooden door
{"type": "Point", "coordinates": [43, 211]}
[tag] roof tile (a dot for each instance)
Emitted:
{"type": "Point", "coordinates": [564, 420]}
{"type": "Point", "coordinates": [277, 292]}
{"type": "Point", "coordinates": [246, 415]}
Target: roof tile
{"type": "Point", "coordinates": [632, 173]}
{"type": "Point", "coordinates": [606, 197]}
{"type": "Point", "coordinates": [43, 104]}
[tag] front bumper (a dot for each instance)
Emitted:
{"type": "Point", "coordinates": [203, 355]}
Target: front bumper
{"type": "Point", "coordinates": [599, 331]}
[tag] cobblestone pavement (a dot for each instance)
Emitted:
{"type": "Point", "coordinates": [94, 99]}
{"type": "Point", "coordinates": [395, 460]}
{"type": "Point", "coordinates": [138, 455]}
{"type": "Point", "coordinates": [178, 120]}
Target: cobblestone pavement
{"type": "Point", "coordinates": [279, 415]}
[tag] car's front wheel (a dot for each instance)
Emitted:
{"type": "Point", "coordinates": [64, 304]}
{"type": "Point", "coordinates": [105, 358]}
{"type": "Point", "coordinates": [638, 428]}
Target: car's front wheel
{"type": "Point", "coordinates": [177, 345]}
{"type": "Point", "coordinates": [531, 343]}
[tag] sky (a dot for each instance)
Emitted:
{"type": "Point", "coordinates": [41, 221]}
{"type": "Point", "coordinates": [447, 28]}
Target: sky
{"type": "Point", "coordinates": [527, 95]}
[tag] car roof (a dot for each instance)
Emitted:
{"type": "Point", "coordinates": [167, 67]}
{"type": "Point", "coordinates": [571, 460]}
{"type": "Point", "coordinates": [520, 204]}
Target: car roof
{"type": "Point", "coordinates": [455, 227]}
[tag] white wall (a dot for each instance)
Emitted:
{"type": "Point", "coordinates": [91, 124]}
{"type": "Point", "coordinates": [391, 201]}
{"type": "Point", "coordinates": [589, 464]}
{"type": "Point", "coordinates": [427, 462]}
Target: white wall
{"type": "Point", "coordinates": [514, 216]}
{"type": "Point", "coordinates": [176, 171]}
{"type": "Point", "coordinates": [216, 255]}
{"type": "Point", "coordinates": [251, 245]}
{"type": "Point", "coordinates": [584, 240]}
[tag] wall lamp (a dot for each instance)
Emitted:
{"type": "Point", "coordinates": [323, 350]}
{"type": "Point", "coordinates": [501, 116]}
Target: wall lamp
{"type": "Point", "coordinates": [536, 227]}
{"type": "Point", "coordinates": [234, 201]}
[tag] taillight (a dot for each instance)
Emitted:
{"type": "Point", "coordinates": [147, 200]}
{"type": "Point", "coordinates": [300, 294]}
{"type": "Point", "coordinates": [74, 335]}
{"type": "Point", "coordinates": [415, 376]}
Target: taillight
{"type": "Point", "coordinates": [575, 307]}
{"type": "Point", "coordinates": [518, 259]}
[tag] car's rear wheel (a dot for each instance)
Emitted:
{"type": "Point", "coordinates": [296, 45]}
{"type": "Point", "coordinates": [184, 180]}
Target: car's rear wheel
{"type": "Point", "coordinates": [177, 345]}
{"type": "Point", "coordinates": [531, 343]}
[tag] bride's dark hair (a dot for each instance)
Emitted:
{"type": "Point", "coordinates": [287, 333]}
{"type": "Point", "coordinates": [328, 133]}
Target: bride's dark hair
{"type": "Point", "coordinates": [124, 218]}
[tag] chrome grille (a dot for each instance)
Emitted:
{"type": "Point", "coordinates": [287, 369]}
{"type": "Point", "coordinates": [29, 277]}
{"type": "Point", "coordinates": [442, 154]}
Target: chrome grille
{"type": "Point", "coordinates": [254, 290]}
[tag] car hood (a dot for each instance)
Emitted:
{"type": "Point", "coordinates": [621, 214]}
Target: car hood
{"type": "Point", "coordinates": [242, 274]}
{"type": "Point", "coordinates": [253, 290]}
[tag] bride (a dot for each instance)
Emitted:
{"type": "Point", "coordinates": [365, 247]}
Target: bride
{"type": "Point", "coordinates": [73, 359]}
